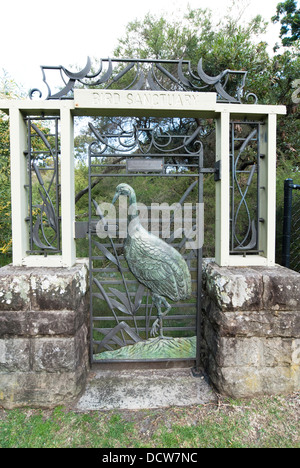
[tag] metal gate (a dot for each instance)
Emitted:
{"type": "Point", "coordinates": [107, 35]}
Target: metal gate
{"type": "Point", "coordinates": [144, 155]}
{"type": "Point", "coordinates": [291, 226]}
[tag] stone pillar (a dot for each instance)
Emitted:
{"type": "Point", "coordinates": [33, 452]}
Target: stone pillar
{"type": "Point", "coordinates": [43, 335]}
{"type": "Point", "coordinates": [251, 329]}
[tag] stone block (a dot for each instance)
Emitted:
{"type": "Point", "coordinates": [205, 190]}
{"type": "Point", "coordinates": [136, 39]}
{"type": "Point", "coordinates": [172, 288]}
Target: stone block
{"type": "Point", "coordinates": [277, 352]}
{"type": "Point", "coordinates": [53, 355]}
{"type": "Point", "coordinates": [240, 352]}
{"type": "Point", "coordinates": [13, 323]}
{"type": "Point", "coordinates": [278, 380]}
{"type": "Point", "coordinates": [58, 288]}
{"type": "Point", "coordinates": [49, 322]}
{"type": "Point", "coordinates": [295, 352]}
{"type": "Point", "coordinates": [281, 288]}
{"type": "Point", "coordinates": [240, 382]}
{"type": "Point", "coordinates": [252, 288]}
{"type": "Point", "coordinates": [245, 382]}
{"type": "Point", "coordinates": [14, 288]}
{"type": "Point", "coordinates": [233, 288]}
{"type": "Point", "coordinates": [250, 330]}
{"type": "Point", "coordinates": [23, 288]}
{"type": "Point", "coordinates": [14, 355]}
{"type": "Point", "coordinates": [271, 323]}
{"type": "Point", "coordinates": [53, 322]}
{"type": "Point", "coordinates": [60, 354]}
{"type": "Point", "coordinates": [42, 389]}
{"type": "Point", "coordinates": [44, 345]}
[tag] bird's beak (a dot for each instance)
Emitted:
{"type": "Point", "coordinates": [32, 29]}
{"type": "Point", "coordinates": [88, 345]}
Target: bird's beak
{"type": "Point", "coordinates": [117, 194]}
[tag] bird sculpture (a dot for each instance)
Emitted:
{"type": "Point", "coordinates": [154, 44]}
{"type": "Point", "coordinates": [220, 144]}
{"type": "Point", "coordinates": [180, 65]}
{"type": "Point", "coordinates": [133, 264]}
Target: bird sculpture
{"type": "Point", "coordinates": [153, 262]}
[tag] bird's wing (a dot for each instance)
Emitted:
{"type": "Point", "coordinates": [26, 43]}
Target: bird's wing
{"type": "Point", "coordinates": [158, 268]}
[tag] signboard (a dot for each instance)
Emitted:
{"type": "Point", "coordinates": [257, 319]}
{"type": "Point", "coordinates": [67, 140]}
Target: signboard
{"type": "Point", "coordinates": [144, 100]}
{"type": "Point", "coordinates": [145, 165]}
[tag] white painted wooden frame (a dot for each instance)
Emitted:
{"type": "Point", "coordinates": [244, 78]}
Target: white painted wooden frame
{"type": "Point", "coordinates": [90, 102]}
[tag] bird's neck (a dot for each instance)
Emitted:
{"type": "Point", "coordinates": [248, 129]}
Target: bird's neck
{"type": "Point", "coordinates": [132, 209]}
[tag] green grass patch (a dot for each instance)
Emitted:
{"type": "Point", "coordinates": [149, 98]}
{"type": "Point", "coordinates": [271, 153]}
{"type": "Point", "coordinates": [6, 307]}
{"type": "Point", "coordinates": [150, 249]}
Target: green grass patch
{"type": "Point", "coordinates": [267, 422]}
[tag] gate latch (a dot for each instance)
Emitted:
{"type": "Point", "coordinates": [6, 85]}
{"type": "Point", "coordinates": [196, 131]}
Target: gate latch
{"type": "Point", "coordinates": [218, 170]}
{"type": "Point", "coordinates": [81, 229]}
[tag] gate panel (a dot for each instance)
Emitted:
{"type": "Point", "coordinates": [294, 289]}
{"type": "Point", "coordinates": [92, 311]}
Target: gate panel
{"type": "Point", "coordinates": [123, 310]}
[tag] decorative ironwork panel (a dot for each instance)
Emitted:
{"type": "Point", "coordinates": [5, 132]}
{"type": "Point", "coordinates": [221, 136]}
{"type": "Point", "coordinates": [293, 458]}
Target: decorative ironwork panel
{"type": "Point", "coordinates": [138, 74]}
{"type": "Point", "coordinates": [124, 318]}
{"type": "Point", "coordinates": [43, 185]}
{"type": "Point", "coordinates": [245, 187]}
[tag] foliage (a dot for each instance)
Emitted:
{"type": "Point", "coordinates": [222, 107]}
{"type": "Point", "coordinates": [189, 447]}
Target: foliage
{"type": "Point", "coordinates": [227, 45]}
{"type": "Point", "coordinates": [289, 16]}
{"type": "Point", "coordinates": [5, 201]}
{"type": "Point", "coordinates": [285, 69]}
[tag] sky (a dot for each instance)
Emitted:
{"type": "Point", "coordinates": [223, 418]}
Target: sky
{"type": "Point", "coordinates": [64, 32]}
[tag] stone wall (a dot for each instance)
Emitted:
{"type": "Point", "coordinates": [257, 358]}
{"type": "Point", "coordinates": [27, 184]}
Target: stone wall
{"type": "Point", "coordinates": [251, 329]}
{"type": "Point", "coordinates": [250, 332]}
{"type": "Point", "coordinates": [43, 335]}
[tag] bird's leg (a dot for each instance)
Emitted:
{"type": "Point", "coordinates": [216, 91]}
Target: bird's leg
{"type": "Point", "coordinates": [158, 324]}
{"type": "Point", "coordinates": [165, 312]}
{"type": "Point", "coordinates": [157, 302]}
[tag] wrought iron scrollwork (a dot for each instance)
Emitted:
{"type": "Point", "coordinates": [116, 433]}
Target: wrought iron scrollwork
{"type": "Point", "coordinates": [245, 187]}
{"type": "Point", "coordinates": [43, 187]}
{"type": "Point", "coordinates": [146, 141]}
{"type": "Point", "coordinates": [155, 75]}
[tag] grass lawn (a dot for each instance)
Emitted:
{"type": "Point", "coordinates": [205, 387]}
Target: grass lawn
{"type": "Point", "coordinates": [267, 422]}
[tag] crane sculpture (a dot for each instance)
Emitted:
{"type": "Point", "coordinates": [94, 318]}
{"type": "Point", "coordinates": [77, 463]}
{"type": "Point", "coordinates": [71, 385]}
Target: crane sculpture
{"type": "Point", "coordinates": [153, 262]}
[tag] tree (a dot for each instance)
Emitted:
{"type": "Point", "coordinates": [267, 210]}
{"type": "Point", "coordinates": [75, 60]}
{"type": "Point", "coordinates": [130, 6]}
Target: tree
{"type": "Point", "coordinates": [289, 16]}
{"type": "Point", "coordinates": [227, 45]}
